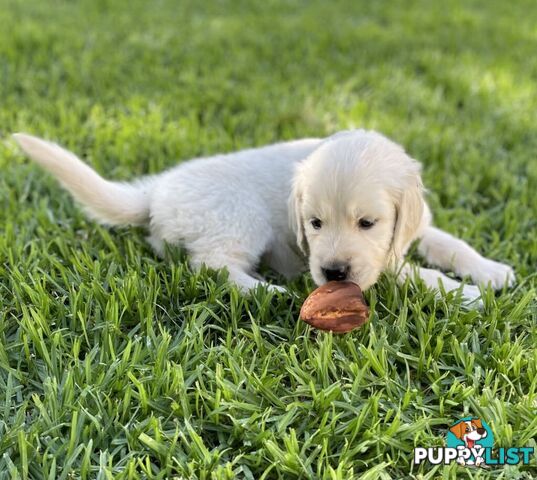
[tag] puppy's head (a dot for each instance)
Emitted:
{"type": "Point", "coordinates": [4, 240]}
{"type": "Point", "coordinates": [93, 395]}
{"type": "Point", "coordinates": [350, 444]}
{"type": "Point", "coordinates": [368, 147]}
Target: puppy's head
{"type": "Point", "coordinates": [356, 204]}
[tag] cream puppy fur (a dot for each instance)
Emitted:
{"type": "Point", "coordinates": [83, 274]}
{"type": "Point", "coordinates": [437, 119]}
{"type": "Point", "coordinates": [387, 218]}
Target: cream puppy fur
{"type": "Point", "coordinates": [348, 206]}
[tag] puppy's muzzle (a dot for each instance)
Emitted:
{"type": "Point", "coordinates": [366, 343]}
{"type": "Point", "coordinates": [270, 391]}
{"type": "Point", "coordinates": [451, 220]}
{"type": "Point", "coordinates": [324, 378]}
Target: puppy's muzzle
{"type": "Point", "coordinates": [336, 272]}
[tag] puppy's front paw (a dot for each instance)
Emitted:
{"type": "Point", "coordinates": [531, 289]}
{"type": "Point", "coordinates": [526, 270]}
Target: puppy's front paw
{"type": "Point", "coordinates": [472, 296]}
{"type": "Point", "coordinates": [494, 273]}
{"type": "Point", "coordinates": [277, 288]}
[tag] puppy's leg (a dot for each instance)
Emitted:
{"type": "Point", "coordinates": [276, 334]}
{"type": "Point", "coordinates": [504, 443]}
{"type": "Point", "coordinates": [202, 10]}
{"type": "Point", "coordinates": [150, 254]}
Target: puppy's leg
{"type": "Point", "coordinates": [433, 278]}
{"type": "Point", "coordinates": [220, 224]}
{"type": "Point", "coordinates": [237, 268]}
{"type": "Point", "coordinates": [447, 252]}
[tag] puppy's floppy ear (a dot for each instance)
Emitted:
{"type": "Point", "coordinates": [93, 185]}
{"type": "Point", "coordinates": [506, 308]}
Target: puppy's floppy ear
{"type": "Point", "coordinates": [410, 210]}
{"type": "Point", "coordinates": [458, 429]}
{"type": "Point", "coordinates": [294, 207]}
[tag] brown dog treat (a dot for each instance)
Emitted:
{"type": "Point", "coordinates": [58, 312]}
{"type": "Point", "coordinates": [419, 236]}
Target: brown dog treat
{"type": "Point", "coordinates": [336, 306]}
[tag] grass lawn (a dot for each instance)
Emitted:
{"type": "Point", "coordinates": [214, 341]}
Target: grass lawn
{"type": "Point", "coordinates": [117, 364]}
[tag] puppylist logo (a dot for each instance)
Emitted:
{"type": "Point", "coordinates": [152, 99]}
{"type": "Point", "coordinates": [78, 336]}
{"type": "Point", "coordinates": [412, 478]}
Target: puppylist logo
{"type": "Point", "coordinates": [470, 442]}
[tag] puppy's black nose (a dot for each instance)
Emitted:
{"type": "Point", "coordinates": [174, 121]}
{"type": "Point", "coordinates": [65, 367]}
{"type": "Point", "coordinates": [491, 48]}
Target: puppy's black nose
{"type": "Point", "coordinates": [336, 272]}
{"type": "Point", "coordinates": [481, 431]}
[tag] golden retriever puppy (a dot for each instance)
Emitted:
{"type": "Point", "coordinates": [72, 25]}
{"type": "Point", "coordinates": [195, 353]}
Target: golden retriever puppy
{"type": "Point", "coordinates": [347, 206]}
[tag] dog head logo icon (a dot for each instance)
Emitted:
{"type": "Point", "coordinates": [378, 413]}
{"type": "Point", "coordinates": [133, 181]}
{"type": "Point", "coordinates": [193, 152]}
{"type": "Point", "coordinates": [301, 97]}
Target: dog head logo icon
{"type": "Point", "coordinates": [469, 431]}
{"type": "Point", "coordinates": [472, 435]}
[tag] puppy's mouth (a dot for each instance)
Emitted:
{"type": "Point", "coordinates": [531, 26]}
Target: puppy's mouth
{"type": "Point", "coordinates": [321, 279]}
{"type": "Point", "coordinates": [364, 276]}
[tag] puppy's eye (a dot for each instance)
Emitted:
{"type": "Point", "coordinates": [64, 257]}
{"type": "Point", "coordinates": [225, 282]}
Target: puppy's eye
{"type": "Point", "coordinates": [316, 223]}
{"type": "Point", "coordinates": [365, 223]}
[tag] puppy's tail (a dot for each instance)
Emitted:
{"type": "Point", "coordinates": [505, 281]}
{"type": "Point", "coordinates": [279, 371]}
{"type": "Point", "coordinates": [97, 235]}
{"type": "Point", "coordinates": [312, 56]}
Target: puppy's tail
{"type": "Point", "coordinates": [111, 203]}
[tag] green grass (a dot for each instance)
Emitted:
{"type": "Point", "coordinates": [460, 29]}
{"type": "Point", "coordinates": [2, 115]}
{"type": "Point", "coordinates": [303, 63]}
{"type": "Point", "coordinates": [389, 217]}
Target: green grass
{"type": "Point", "coordinates": [116, 364]}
